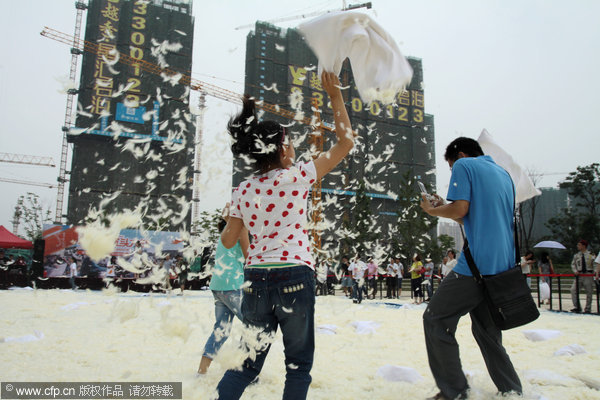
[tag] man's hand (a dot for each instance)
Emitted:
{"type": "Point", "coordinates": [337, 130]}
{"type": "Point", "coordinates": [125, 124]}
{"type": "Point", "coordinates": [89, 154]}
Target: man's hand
{"type": "Point", "coordinates": [426, 204]}
{"type": "Point", "coordinates": [455, 210]}
{"type": "Point", "coordinates": [434, 201]}
{"type": "Point", "coordinates": [437, 200]}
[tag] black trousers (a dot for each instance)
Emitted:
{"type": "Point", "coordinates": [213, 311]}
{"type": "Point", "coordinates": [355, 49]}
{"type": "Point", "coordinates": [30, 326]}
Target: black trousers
{"type": "Point", "coordinates": [457, 296]}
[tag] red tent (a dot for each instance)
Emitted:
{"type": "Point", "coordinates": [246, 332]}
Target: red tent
{"type": "Point", "coordinates": [8, 240]}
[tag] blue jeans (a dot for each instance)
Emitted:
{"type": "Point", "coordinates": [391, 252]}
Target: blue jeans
{"type": "Point", "coordinates": [429, 287]}
{"type": "Point", "coordinates": [283, 297]}
{"type": "Point", "coordinates": [227, 305]}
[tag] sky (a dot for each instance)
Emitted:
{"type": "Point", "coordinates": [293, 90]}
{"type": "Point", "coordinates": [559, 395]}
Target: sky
{"type": "Point", "coordinates": [525, 70]}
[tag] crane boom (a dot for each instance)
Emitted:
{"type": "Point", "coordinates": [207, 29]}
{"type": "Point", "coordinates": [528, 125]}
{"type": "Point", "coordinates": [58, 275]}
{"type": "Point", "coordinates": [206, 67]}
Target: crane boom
{"type": "Point", "coordinates": [48, 185]}
{"type": "Point", "coordinates": [194, 84]}
{"type": "Point", "coordinates": [26, 159]}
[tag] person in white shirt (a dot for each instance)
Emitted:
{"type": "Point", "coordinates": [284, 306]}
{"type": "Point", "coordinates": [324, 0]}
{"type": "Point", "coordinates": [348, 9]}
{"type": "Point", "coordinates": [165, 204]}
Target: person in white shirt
{"type": "Point", "coordinates": [526, 263]}
{"type": "Point", "coordinates": [358, 269]}
{"type": "Point", "coordinates": [111, 267]}
{"type": "Point", "coordinates": [72, 272]}
{"type": "Point", "coordinates": [167, 264]}
{"type": "Point", "coordinates": [450, 264]}
{"type": "Point", "coordinates": [400, 273]}
{"type": "Point", "coordinates": [391, 280]}
{"type": "Point", "coordinates": [428, 278]}
{"type": "Point", "coordinates": [597, 266]}
{"type": "Point", "coordinates": [443, 266]}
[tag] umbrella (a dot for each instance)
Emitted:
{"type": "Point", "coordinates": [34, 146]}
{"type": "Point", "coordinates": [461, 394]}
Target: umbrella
{"type": "Point", "coordinates": [549, 244]}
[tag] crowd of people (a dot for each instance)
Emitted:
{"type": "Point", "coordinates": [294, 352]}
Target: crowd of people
{"type": "Point", "coordinates": [11, 262]}
{"type": "Point", "coordinates": [11, 268]}
{"type": "Point", "coordinates": [358, 279]}
{"type": "Point", "coordinates": [76, 264]}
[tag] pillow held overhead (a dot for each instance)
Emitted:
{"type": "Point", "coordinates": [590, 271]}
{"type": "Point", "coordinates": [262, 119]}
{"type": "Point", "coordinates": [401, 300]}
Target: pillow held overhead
{"type": "Point", "coordinates": [380, 70]}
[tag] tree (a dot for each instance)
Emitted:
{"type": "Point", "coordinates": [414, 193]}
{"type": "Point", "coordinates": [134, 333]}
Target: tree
{"type": "Point", "coordinates": [580, 220]}
{"type": "Point", "coordinates": [359, 233]}
{"type": "Point", "coordinates": [414, 228]}
{"type": "Point", "coordinates": [203, 242]}
{"type": "Point", "coordinates": [446, 243]}
{"type": "Point", "coordinates": [207, 226]}
{"type": "Point", "coordinates": [17, 215]}
{"type": "Point", "coordinates": [527, 213]}
{"type": "Point", "coordinates": [32, 213]}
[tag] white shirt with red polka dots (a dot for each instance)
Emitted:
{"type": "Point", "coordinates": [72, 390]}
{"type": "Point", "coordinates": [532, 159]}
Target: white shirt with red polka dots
{"type": "Point", "coordinates": [273, 207]}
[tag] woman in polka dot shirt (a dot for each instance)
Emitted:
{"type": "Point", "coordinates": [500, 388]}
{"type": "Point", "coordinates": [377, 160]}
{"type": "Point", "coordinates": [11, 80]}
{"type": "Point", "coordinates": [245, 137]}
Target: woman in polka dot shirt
{"type": "Point", "coordinates": [272, 205]}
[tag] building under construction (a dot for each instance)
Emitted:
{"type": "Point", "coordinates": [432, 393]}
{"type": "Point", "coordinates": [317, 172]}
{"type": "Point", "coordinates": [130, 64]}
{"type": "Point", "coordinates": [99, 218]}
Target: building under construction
{"type": "Point", "coordinates": [394, 139]}
{"type": "Point", "coordinates": [133, 139]}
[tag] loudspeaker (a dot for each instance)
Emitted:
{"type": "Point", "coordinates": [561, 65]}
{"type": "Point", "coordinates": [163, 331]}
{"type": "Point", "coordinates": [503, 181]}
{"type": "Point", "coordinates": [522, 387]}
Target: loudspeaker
{"type": "Point", "coordinates": [37, 260]}
{"type": "Point", "coordinates": [39, 245]}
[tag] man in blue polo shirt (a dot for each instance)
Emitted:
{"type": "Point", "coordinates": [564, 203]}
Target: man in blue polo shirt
{"type": "Point", "coordinates": [481, 197]}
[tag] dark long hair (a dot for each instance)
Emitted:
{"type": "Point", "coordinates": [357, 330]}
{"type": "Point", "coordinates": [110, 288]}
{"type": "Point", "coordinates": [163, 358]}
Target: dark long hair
{"type": "Point", "coordinates": [261, 141]}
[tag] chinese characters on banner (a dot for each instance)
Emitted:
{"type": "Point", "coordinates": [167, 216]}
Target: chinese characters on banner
{"type": "Point", "coordinates": [409, 108]}
{"type": "Point", "coordinates": [107, 56]}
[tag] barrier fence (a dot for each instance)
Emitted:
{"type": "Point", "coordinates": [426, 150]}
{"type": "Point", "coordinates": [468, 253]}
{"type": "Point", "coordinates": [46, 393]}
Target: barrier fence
{"type": "Point", "coordinates": [560, 285]}
{"type": "Point", "coordinates": [559, 299]}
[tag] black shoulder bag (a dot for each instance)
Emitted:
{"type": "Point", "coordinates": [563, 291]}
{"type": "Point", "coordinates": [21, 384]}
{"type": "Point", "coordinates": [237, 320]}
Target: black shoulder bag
{"type": "Point", "coordinates": [507, 294]}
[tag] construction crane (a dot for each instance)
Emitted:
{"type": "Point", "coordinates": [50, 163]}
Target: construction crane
{"type": "Point", "coordinates": [194, 84]}
{"type": "Point", "coordinates": [197, 163]}
{"type": "Point", "coordinates": [204, 89]}
{"type": "Point", "coordinates": [312, 14]}
{"type": "Point", "coordinates": [26, 159]}
{"type": "Point", "coordinates": [21, 182]}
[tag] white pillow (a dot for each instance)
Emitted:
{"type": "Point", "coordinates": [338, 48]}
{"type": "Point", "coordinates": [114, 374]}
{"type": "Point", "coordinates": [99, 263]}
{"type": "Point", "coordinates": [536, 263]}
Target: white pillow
{"type": "Point", "coordinates": [365, 327]}
{"type": "Point", "coordinates": [570, 350]}
{"type": "Point", "coordinates": [539, 335]}
{"type": "Point", "coordinates": [395, 373]}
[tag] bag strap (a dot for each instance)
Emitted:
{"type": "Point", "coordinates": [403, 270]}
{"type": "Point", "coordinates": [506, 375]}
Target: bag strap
{"type": "Point", "coordinates": [469, 257]}
{"type": "Point", "coordinates": [516, 217]}
{"type": "Point", "coordinates": [467, 251]}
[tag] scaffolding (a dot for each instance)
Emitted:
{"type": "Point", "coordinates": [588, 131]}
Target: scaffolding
{"type": "Point", "coordinates": [197, 164]}
{"type": "Point", "coordinates": [75, 53]}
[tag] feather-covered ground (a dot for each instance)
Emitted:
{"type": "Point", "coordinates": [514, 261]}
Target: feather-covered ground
{"type": "Point", "coordinates": [61, 335]}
